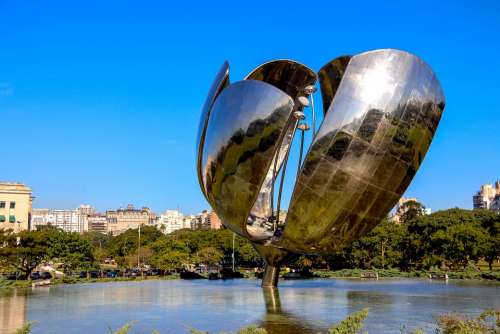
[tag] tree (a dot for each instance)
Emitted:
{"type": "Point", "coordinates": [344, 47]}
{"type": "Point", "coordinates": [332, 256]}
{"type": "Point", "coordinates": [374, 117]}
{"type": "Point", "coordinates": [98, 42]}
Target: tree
{"type": "Point", "coordinates": [461, 243]}
{"type": "Point", "coordinates": [72, 250]}
{"type": "Point", "coordinates": [209, 256]}
{"type": "Point", "coordinates": [23, 251]}
{"type": "Point", "coordinates": [410, 210]}
{"type": "Point", "coordinates": [169, 254]}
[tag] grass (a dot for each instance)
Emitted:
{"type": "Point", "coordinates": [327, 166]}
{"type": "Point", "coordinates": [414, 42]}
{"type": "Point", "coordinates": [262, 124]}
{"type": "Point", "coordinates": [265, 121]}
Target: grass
{"type": "Point", "coordinates": [396, 273]}
{"type": "Point", "coordinates": [12, 284]}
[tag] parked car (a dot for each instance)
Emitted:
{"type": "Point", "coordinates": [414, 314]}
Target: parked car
{"type": "Point", "coordinates": [95, 274]}
{"type": "Point", "coordinates": [45, 275]}
{"type": "Point", "coordinates": [35, 275]}
{"type": "Point", "coordinates": [111, 274]}
{"type": "Point", "coordinates": [12, 276]}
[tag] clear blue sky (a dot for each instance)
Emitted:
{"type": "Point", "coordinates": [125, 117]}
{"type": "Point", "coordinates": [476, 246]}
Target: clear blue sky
{"type": "Point", "coordinates": [100, 101]}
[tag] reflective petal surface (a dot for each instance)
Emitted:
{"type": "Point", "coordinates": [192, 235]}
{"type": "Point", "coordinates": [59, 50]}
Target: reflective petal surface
{"type": "Point", "coordinates": [371, 143]}
{"type": "Point", "coordinates": [243, 134]}
{"type": "Point", "coordinates": [220, 82]}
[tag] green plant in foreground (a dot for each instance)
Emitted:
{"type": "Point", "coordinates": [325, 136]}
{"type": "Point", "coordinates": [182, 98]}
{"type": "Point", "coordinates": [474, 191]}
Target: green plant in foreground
{"type": "Point", "coordinates": [487, 322]}
{"type": "Point", "coordinates": [350, 325]}
{"type": "Point", "coordinates": [122, 330]}
{"type": "Point", "coordinates": [26, 329]}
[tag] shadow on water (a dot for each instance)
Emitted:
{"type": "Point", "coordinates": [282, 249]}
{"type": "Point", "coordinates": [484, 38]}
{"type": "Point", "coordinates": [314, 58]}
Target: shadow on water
{"type": "Point", "coordinates": [279, 321]}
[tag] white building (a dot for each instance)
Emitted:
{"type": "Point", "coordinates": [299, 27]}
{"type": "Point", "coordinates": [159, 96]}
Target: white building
{"type": "Point", "coordinates": [488, 197]}
{"type": "Point", "coordinates": [172, 220]}
{"type": "Point", "coordinates": [67, 220]}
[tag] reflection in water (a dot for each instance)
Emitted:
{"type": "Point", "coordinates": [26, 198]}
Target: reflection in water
{"type": "Point", "coordinates": [12, 311]}
{"type": "Point", "coordinates": [278, 321]}
{"type": "Point", "coordinates": [175, 306]}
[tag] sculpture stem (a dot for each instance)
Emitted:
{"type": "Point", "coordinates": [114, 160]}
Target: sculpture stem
{"type": "Point", "coordinates": [271, 275]}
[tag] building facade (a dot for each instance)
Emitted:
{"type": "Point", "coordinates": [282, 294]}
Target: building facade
{"type": "Point", "coordinates": [120, 220]}
{"type": "Point", "coordinates": [15, 206]}
{"type": "Point", "coordinates": [97, 223]}
{"type": "Point", "coordinates": [488, 197]}
{"type": "Point", "coordinates": [67, 220]}
{"type": "Point", "coordinates": [170, 221]}
{"type": "Point", "coordinates": [207, 221]}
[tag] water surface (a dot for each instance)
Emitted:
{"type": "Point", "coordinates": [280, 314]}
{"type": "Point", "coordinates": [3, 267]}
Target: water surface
{"type": "Point", "coordinates": [306, 306]}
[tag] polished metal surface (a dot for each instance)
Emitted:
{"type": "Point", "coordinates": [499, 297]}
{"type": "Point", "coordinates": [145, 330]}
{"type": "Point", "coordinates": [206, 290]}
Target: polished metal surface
{"type": "Point", "coordinates": [220, 82]}
{"type": "Point", "coordinates": [372, 141]}
{"type": "Point", "coordinates": [381, 111]}
{"type": "Point", "coordinates": [245, 127]}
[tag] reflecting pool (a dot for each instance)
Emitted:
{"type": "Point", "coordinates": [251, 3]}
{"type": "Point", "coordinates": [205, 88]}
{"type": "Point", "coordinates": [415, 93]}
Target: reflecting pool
{"type": "Point", "coordinates": [302, 306]}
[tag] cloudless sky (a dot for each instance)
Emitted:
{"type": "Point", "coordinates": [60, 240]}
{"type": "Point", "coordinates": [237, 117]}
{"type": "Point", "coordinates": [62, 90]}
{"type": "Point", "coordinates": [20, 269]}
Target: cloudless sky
{"type": "Point", "coordinates": [100, 100]}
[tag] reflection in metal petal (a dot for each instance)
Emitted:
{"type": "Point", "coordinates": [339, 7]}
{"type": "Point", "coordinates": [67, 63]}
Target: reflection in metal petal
{"type": "Point", "coordinates": [289, 76]}
{"type": "Point", "coordinates": [330, 76]}
{"type": "Point", "coordinates": [245, 127]}
{"type": "Point", "coordinates": [220, 82]}
{"type": "Point", "coordinates": [292, 78]}
{"type": "Point", "coordinates": [368, 149]}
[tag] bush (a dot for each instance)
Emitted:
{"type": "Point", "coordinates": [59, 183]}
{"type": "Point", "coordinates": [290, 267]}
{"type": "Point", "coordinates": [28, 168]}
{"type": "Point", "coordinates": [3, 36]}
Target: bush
{"type": "Point", "coordinates": [350, 325]}
{"type": "Point", "coordinates": [487, 323]}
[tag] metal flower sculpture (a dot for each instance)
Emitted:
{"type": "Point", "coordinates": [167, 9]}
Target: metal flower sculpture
{"type": "Point", "coordinates": [381, 109]}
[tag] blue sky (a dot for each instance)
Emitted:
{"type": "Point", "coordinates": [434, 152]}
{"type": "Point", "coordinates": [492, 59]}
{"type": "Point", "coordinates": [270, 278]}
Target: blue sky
{"type": "Point", "coordinates": [100, 101]}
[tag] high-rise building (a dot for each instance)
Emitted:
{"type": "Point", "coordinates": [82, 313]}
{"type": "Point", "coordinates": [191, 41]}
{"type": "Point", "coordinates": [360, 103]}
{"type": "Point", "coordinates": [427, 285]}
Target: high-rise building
{"type": "Point", "coordinates": [67, 220]}
{"type": "Point", "coordinates": [488, 197]}
{"type": "Point", "coordinates": [15, 206]}
{"type": "Point", "coordinates": [123, 219]}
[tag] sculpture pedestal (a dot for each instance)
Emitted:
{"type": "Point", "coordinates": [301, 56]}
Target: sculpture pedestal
{"type": "Point", "coordinates": [273, 257]}
{"type": "Point", "coordinates": [271, 276]}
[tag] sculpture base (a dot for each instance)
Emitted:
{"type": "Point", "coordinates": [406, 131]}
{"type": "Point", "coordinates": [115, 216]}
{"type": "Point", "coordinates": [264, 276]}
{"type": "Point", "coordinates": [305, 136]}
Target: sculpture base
{"type": "Point", "coordinates": [271, 276]}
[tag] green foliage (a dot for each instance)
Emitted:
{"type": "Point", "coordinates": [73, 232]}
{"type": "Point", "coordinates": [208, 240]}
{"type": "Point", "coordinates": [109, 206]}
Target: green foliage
{"type": "Point", "coordinates": [486, 323]}
{"type": "Point", "coordinates": [252, 330]}
{"type": "Point", "coordinates": [446, 239]}
{"type": "Point", "coordinates": [70, 249]}
{"type": "Point", "coordinates": [122, 330]}
{"type": "Point", "coordinates": [410, 210]}
{"type": "Point", "coordinates": [350, 325]}
{"type": "Point", "coordinates": [23, 251]}
{"type": "Point", "coordinates": [26, 329]}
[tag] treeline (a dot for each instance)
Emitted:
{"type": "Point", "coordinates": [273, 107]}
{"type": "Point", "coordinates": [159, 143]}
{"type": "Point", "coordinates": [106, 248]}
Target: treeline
{"type": "Point", "coordinates": [24, 251]}
{"type": "Point", "coordinates": [451, 239]}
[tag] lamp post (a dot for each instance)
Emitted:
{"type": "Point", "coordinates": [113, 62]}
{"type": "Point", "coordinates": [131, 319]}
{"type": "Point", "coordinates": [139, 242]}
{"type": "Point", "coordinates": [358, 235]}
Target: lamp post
{"type": "Point", "coordinates": [234, 235]}
{"type": "Point", "coordinates": [139, 250]}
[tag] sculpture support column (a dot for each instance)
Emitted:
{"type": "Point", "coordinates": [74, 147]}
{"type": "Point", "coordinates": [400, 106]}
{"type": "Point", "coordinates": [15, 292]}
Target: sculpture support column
{"type": "Point", "coordinates": [273, 257]}
{"type": "Point", "coordinates": [271, 275]}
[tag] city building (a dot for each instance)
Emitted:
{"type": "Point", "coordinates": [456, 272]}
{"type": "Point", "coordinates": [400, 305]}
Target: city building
{"type": "Point", "coordinates": [215, 222]}
{"type": "Point", "coordinates": [190, 222]}
{"type": "Point", "coordinates": [170, 221]}
{"type": "Point", "coordinates": [488, 197]}
{"type": "Point", "coordinates": [67, 220]}
{"type": "Point", "coordinates": [123, 219]}
{"type": "Point", "coordinates": [207, 221]}
{"type": "Point", "coordinates": [97, 223]}
{"type": "Point", "coordinates": [15, 206]}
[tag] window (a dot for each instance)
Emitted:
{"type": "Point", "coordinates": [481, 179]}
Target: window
{"type": "Point", "coordinates": [12, 219]}
{"type": "Point", "coordinates": [2, 218]}
{"type": "Point", "coordinates": [12, 205]}
{"type": "Point", "coordinates": [2, 205]}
